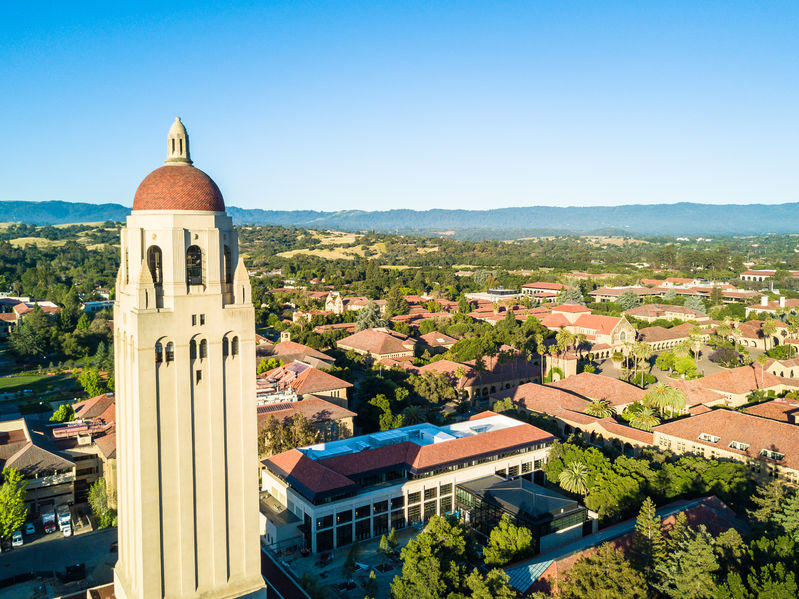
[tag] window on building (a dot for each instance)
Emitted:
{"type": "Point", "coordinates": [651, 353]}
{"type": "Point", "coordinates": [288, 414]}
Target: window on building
{"type": "Point", "coordinates": [202, 319]}
{"type": "Point", "coordinates": [194, 320]}
{"type": "Point", "coordinates": [430, 493]}
{"type": "Point", "coordinates": [234, 346]}
{"type": "Point", "coordinates": [414, 497]}
{"type": "Point", "coordinates": [414, 514]}
{"type": "Point", "coordinates": [192, 349]}
{"type": "Point", "coordinates": [228, 267]}
{"type": "Point", "coordinates": [159, 353]}
{"type": "Point", "coordinates": [526, 467]}
{"type": "Point", "coordinates": [380, 507]}
{"type": "Point", "coordinates": [194, 265]}
{"type": "Point", "coordinates": [398, 519]}
{"type": "Point", "coordinates": [362, 511]}
{"type": "Point", "coordinates": [363, 529]}
{"type": "Point", "coordinates": [513, 471]}
{"type": "Point", "coordinates": [739, 446]}
{"type": "Point", "coordinates": [345, 516]}
{"type": "Point", "coordinates": [343, 535]}
{"type": "Point", "coordinates": [324, 521]}
{"type": "Point", "coordinates": [155, 263]}
{"type": "Point", "coordinates": [446, 489]}
{"type": "Point", "coordinates": [225, 346]}
{"type": "Point", "coordinates": [446, 505]}
{"type": "Point", "coordinates": [380, 524]}
{"type": "Point", "coordinates": [203, 349]}
{"type": "Point", "coordinates": [170, 352]}
{"type": "Point", "coordinates": [709, 437]}
{"type": "Point", "coordinates": [199, 376]}
{"type": "Point", "coordinates": [324, 540]}
{"type": "Point", "coordinates": [397, 502]}
{"type": "Point", "coordinates": [429, 510]}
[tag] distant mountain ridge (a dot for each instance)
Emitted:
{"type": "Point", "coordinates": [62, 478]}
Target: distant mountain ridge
{"type": "Point", "coordinates": [634, 219]}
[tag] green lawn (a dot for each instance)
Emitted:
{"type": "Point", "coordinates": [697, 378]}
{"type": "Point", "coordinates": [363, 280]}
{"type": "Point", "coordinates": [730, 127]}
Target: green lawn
{"type": "Point", "coordinates": [37, 383]}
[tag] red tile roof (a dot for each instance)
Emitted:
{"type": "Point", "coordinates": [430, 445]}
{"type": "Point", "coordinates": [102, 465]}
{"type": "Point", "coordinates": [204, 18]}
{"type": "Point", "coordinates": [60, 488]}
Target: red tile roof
{"type": "Point", "coordinates": [782, 409]}
{"type": "Point", "coordinates": [729, 425]}
{"type": "Point", "coordinates": [307, 380]}
{"type": "Point", "coordinates": [378, 342]}
{"type": "Point", "coordinates": [595, 386]}
{"type": "Point", "coordinates": [178, 188]}
{"type": "Point", "coordinates": [744, 379]}
{"type": "Point", "coordinates": [315, 409]}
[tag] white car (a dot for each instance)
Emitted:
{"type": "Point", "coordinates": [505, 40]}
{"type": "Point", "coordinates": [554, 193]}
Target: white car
{"type": "Point", "coordinates": [30, 529]}
{"type": "Point", "coordinates": [67, 530]}
{"type": "Point", "coordinates": [16, 538]}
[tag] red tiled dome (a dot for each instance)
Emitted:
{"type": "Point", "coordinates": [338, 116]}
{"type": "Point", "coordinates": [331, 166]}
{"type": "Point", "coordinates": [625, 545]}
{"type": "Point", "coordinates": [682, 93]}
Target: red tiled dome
{"type": "Point", "coordinates": [178, 188]}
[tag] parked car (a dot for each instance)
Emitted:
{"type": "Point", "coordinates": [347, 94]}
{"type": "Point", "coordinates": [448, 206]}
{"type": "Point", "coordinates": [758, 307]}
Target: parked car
{"type": "Point", "coordinates": [30, 528]}
{"type": "Point", "coordinates": [16, 538]}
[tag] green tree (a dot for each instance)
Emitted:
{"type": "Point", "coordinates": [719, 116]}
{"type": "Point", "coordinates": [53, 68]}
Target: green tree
{"type": "Point", "coordinates": [571, 295]}
{"type": "Point", "coordinates": [768, 501]}
{"type": "Point", "coordinates": [663, 397]}
{"type": "Point", "coordinates": [277, 437]}
{"type": "Point", "coordinates": [688, 570]}
{"type": "Point", "coordinates": [70, 311]}
{"type": "Point", "coordinates": [493, 586]}
{"type": "Point", "coordinates": [370, 586]}
{"type": "Point", "coordinates": [93, 385]}
{"type": "Point", "coordinates": [574, 478]}
{"type": "Point", "coordinates": [788, 517]}
{"type": "Point", "coordinates": [393, 541]}
{"type": "Point", "coordinates": [12, 502]}
{"type": "Point", "coordinates": [648, 543]}
{"type": "Point", "coordinates": [600, 408]}
{"type": "Point", "coordinates": [64, 413]}
{"type": "Point", "coordinates": [644, 419]}
{"type": "Point", "coordinates": [98, 500]}
{"type": "Point", "coordinates": [769, 329]}
{"type": "Point", "coordinates": [434, 387]}
{"type": "Point", "coordinates": [628, 300]}
{"type": "Point", "coordinates": [33, 336]}
{"type": "Point", "coordinates": [435, 563]}
{"type": "Point", "coordinates": [507, 542]}
{"type": "Point", "coordinates": [396, 304]}
{"type": "Point", "coordinates": [369, 317]}
{"type": "Point", "coordinates": [267, 364]}
{"type": "Point", "coordinates": [412, 415]}
{"type": "Point", "coordinates": [695, 303]}
{"type": "Point", "coordinates": [602, 574]}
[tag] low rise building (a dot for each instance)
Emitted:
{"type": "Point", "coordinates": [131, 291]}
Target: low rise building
{"type": "Point", "coordinates": [782, 409]}
{"type": "Point", "coordinates": [552, 518]}
{"type": "Point", "coordinates": [358, 488]}
{"type": "Point", "coordinates": [769, 448]}
{"type": "Point", "coordinates": [781, 305]}
{"type": "Point", "coordinates": [330, 420]}
{"type": "Point", "coordinates": [297, 380]}
{"type": "Point", "coordinates": [652, 312]}
{"type": "Point", "coordinates": [735, 384]}
{"type": "Point", "coordinates": [379, 343]}
{"type": "Point", "coordinates": [50, 475]}
{"type": "Point", "coordinates": [288, 351]}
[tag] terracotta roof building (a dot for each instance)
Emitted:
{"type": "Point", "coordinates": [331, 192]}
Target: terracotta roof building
{"type": "Point", "coordinates": [288, 351]}
{"type": "Point", "coordinates": [379, 343]}
{"type": "Point", "coordinates": [358, 488]}
{"type": "Point", "coordinates": [735, 384]}
{"type": "Point", "coordinates": [781, 409]}
{"type": "Point", "coordinates": [49, 474]}
{"type": "Point", "coordinates": [597, 387]}
{"type": "Point", "coordinates": [299, 379]}
{"type": "Point", "coordinates": [650, 312]}
{"type": "Point", "coordinates": [332, 421]}
{"type": "Point", "coordinates": [768, 447]}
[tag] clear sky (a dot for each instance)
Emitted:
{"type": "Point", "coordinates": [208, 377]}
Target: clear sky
{"type": "Point", "coordinates": [376, 105]}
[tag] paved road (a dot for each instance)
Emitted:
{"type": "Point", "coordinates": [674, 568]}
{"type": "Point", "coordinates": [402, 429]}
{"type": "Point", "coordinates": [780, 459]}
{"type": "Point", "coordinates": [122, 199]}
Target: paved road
{"type": "Point", "coordinates": [91, 549]}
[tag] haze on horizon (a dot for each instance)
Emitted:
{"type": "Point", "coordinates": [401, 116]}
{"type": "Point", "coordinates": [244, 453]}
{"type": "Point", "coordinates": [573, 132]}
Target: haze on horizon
{"type": "Point", "coordinates": [378, 105]}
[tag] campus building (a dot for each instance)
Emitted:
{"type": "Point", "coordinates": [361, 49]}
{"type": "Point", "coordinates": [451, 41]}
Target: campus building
{"type": "Point", "coordinates": [345, 491]}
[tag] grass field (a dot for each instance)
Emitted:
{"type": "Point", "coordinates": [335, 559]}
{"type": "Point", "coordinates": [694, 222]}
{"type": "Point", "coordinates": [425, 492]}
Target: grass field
{"type": "Point", "coordinates": [20, 242]}
{"type": "Point", "coordinates": [37, 383]}
{"type": "Point", "coordinates": [334, 253]}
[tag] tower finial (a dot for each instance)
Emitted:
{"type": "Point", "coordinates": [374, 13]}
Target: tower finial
{"type": "Point", "coordinates": [177, 151]}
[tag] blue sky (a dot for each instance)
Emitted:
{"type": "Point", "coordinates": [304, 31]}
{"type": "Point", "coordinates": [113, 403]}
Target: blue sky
{"type": "Point", "coordinates": [375, 105]}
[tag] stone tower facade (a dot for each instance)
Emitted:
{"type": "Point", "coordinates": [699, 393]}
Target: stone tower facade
{"type": "Point", "coordinates": [184, 342]}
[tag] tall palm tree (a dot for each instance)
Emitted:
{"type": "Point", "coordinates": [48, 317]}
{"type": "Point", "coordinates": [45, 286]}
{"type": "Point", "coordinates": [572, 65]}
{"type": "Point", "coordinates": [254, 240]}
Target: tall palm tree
{"type": "Point", "coordinates": [644, 419]}
{"type": "Point", "coordinates": [769, 328]}
{"type": "Point", "coordinates": [574, 478]}
{"type": "Point", "coordinates": [761, 360]}
{"type": "Point", "coordinates": [600, 408]}
{"type": "Point", "coordinates": [664, 396]}
{"type": "Point", "coordinates": [412, 415]}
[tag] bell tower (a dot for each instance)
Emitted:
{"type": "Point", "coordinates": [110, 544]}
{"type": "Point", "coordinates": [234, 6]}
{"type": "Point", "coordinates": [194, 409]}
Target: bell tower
{"type": "Point", "coordinates": [184, 341]}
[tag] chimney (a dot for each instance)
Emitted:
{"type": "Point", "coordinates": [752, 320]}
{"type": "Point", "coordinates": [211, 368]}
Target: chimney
{"type": "Point", "coordinates": [763, 300]}
{"type": "Point", "coordinates": [782, 301]}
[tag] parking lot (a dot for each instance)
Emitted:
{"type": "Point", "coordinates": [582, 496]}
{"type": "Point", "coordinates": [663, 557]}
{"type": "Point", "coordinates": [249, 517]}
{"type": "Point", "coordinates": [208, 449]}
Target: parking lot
{"type": "Point", "coordinates": [55, 553]}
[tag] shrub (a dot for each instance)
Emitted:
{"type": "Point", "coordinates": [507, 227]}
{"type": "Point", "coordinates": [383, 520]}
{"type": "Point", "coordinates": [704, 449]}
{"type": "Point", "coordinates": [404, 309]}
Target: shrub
{"type": "Point", "coordinates": [725, 356]}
